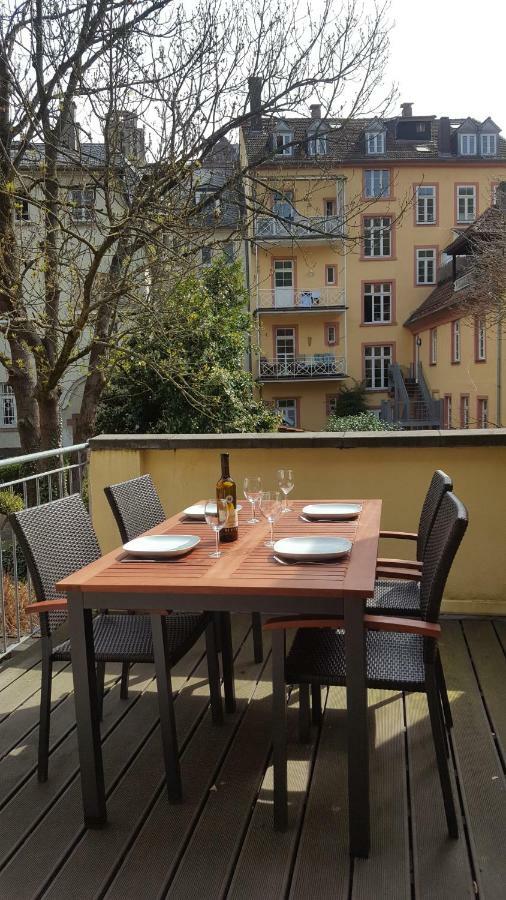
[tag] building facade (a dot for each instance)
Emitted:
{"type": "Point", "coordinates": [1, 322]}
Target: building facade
{"type": "Point", "coordinates": [348, 237]}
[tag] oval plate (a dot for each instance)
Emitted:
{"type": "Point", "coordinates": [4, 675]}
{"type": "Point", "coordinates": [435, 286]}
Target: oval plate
{"type": "Point", "coordinates": [197, 511]}
{"type": "Point", "coordinates": [332, 511]}
{"type": "Point", "coordinates": [161, 545]}
{"type": "Point", "coordinates": [319, 546]}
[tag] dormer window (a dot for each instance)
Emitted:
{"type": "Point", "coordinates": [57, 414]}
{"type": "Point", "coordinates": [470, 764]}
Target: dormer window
{"type": "Point", "coordinates": [317, 142]}
{"type": "Point", "coordinates": [375, 142]}
{"type": "Point", "coordinates": [488, 144]}
{"type": "Point", "coordinates": [283, 143]}
{"type": "Point", "coordinates": [467, 144]}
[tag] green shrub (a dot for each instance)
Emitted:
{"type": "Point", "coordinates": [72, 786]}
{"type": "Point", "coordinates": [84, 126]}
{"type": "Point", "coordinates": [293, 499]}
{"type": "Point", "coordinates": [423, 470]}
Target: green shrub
{"type": "Point", "coordinates": [10, 502]}
{"type": "Point", "coordinates": [351, 400]}
{"type": "Point", "coordinates": [366, 421]}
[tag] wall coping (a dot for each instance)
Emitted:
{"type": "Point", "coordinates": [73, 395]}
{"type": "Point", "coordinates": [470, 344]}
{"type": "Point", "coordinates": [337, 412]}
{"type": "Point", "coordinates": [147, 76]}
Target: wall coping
{"type": "Point", "coordinates": [476, 437]}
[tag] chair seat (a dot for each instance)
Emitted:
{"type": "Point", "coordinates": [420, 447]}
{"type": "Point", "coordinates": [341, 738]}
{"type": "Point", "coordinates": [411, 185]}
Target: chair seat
{"type": "Point", "coordinates": [119, 638]}
{"type": "Point", "coordinates": [392, 595]}
{"type": "Point", "coordinates": [394, 660]}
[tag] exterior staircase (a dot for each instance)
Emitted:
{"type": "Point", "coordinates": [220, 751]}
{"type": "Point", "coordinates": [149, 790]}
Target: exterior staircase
{"type": "Point", "coordinates": [410, 404]}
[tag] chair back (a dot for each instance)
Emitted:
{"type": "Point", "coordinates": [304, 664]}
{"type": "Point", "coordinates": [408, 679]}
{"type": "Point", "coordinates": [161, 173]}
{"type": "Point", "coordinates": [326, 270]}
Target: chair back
{"type": "Point", "coordinates": [439, 485]}
{"type": "Point", "coordinates": [443, 542]}
{"type": "Point", "coordinates": [57, 539]}
{"type": "Point", "coordinates": [135, 505]}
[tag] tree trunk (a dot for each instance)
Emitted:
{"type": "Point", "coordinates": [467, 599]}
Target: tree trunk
{"type": "Point", "coordinates": [85, 424]}
{"type": "Point", "coordinates": [50, 421]}
{"type": "Point", "coordinates": [22, 381]}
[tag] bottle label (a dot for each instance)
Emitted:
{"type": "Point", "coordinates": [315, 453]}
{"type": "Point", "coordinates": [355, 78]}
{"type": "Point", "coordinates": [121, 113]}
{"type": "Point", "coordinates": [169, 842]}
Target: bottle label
{"type": "Point", "coordinates": [233, 516]}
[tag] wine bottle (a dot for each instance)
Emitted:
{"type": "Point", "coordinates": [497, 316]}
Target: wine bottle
{"type": "Point", "coordinates": [226, 490]}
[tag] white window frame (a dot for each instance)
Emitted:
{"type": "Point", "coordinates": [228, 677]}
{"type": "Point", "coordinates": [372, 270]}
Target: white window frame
{"type": "Point", "coordinates": [381, 294]}
{"type": "Point", "coordinates": [376, 183]}
{"type": "Point", "coordinates": [331, 282]}
{"type": "Point", "coordinates": [425, 265]}
{"type": "Point", "coordinates": [8, 412]}
{"type": "Point", "coordinates": [22, 209]}
{"type": "Point", "coordinates": [433, 346]}
{"type": "Point", "coordinates": [317, 144]}
{"type": "Point", "coordinates": [464, 411]}
{"type": "Point", "coordinates": [331, 335]}
{"type": "Point", "coordinates": [448, 410]}
{"type": "Point", "coordinates": [466, 212]}
{"type": "Point", "coordinates": [467, 144]}
{"type": "Point", "coordinates": [426, 204]}
{"type": "Point", "coordinates": [281, 140]}
{"type": "Point", "coordinates": [376, 232]}
{"type": "Point", "coordinates": [488, 144]}
{"type": "Point", "coordinates": [288, 404]}
{"type": "Point", "coordinates": [290, 338]}
{"type": "Point", "coordinates": [375, 143]}
{"type": "Point", "coordinates": [481, 341]}
{"type": "Point", "coordinates": [483, 412]}
{"type": "Point", "coordinates": [282, 205]}
{"type": "Point", "coordinates": [456, 341]}
{"type": "Point", "coordinates": [376, 377]}
{"type": "Point", "coordinates": [82, 202]}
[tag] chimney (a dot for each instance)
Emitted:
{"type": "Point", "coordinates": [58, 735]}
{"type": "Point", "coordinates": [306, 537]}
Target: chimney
{"type": "Point", "coordinates": [124, 135]}
{"type": "Point", "coordinates": [444, 136]}
{"type": "Point", "coordinates": [316, 111]}
{"type": "Point", "coordinates": [68, 129]}
{"type": "Point", "coordinates": [255, 102]}
{"type": "Point", "coordinates": [407, 110]}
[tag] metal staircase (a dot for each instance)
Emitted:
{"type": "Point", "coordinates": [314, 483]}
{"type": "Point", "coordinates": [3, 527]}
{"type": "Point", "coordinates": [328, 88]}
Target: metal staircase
{"type": "Point", "coordinates": [410, 404]}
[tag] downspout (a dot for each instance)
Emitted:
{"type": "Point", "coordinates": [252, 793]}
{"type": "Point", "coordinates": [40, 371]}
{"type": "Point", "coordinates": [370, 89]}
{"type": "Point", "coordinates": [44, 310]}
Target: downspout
{"type": "Point", "coordinates": [499, 373]}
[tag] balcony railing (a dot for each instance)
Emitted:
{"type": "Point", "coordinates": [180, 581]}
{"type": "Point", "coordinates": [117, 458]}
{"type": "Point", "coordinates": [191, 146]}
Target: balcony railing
{"type": "Point", "coordinates": [323, 365]}
{"type": "Point", "coordinates": [463, 282]}
{"type": "Point", "coordinates": [307, 227]}
{"type": "Point", "coordinates": [273, 299]}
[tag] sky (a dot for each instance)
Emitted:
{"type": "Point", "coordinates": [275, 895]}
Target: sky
{"type": "Point", "coordinates": [449, 57]}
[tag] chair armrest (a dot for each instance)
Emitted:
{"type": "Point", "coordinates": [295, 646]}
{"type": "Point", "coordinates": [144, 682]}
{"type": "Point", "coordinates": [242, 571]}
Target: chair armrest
{"type": "Point", "coordinates": [401, 574]}
{"type": "Point", "coordinates": [375, 623]}
{"type": "Point", "coordinates": [46, 606]}
{"type": "Point", "coordinates": [400, 535]}
{"type": "Point", "coordinates": [402, 563]}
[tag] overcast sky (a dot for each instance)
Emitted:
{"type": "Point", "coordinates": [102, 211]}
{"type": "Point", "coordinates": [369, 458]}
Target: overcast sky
{"type": "Point", "coordinates": [449, 57]}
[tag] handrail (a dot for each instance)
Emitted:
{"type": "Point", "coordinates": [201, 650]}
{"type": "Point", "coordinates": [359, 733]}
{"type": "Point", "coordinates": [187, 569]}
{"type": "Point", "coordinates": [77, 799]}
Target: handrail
{"type": "Point", "coordinates": [42, 454]}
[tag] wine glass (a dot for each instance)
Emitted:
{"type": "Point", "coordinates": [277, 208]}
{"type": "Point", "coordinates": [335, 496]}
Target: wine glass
{"type": "Point", "coordinates": [270, 507]}
{"type": "Point", "coordinates": [286, 484]}
{"type": "Point", "coordinates": [252, 491]}
{"type": "Point", "coordinates": [216, 514]}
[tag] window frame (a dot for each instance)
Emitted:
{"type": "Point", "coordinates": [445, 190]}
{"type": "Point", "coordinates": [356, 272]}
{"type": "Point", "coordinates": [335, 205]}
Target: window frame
{"type": "Point", "coordinates": [295, 407]}
{"type": "Point", "coordinates": [206, 255]}
{"type": "Point", "coordinates": [329, 266]}
{"type": "Point", "coordinates": [482, 421]}
{"type": "Point", "coordinates": [381, 230]}
{"type": "Point", "coordinates": [286, 139]}
{"type": "Point", "coordinates": [480, 340]}
{"type": "Point", "coordinates": [317, 143]}
{"type": "Point", "coordinates": [488, 137]}
{"type": "Point", "coordinates": [22, 206]}
{"type": "Point", "coordinates": [456, 342]}
{"type": "Point", "coordinates": [375, 142]}
{"type": "Point", "coordinates": [433, 347]}
{"type": "Point", "coordinates": [466, 136]}
{"type": "Point", "coordinates": [466, 219]}
{"type": "Point", "coordinates": [294, 336]}
{"type": "Point", "coordinates": [330, 399]}
{"type": "Point", "coordinates": [382, 294]}
{"type": "Point", "coordinates": [77, 207]}
{"type": "Point", "coordinates": [382, 358]}
{"type": "Point", "coordinates": [326, 333]}
{"type": "Point", "coordinates": [434, 198]}
{"type": "Point", "coordinates": [7, 401]}
{"type": "Point", "coordinates": [382, 194]}
{"type": "Point", "coordinates": [464, 410]}
{"type": "Point", "coordinates": [426, 260]}
{"type": "Point", "coordinates": [447, 411]}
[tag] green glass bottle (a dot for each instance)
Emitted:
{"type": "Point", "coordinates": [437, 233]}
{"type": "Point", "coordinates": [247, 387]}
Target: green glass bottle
{"type": "Point", "coordinates": [226, 490]}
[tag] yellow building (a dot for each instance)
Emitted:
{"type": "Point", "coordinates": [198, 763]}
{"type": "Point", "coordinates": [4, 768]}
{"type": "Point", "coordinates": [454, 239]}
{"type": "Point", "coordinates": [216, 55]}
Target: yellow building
{"type": "Point", "coordinates": [351, 220]}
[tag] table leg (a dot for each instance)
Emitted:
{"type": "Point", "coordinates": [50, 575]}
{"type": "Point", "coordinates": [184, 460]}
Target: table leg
{"type": "Point", "coordinates": [227, 662]}
{"type": "Point", "coordinates": [87, 715]}
{"type": "Point", "coordinates": [279, 730]}
{"type": "Point", "coordinates": [166, 707]}
{"type": "Point", "coordinates": [358, 746]}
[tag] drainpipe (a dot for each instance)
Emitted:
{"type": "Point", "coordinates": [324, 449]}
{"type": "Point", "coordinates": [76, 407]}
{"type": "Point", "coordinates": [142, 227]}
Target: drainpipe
{"type": "Point", "coordinates": [341, 196]}
{"type": "Point", "coordinates": [499, 373]}
{"type": "Point", "coordinates": [248, 288]}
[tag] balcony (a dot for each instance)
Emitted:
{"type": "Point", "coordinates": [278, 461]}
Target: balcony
{"type": "Point", "coordinates": [313, 228]}
{"type": "Point", "coordinates": [319, 367]}
{"type": "Point", "coordinates": [277, 300]}
{"type": "Point", "coordinates": [463, 282]}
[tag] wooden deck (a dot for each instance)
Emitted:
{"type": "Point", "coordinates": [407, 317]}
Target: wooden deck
{"type": "Point", "coordinates": [220, 842]}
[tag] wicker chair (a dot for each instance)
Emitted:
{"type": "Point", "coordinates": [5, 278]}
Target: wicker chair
{"type": "Point", "coordinates": [57, 538]}
{"type": "Point", "coordinates": [136, 507]}
{"type": "Point", "coordinates": [402, 654]}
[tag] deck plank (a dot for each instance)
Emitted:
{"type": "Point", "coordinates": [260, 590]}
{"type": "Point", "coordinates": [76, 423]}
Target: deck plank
{"type": "Point", "coordinates": [490, 664]}
{"type": "Point", "coordinates": [480, 774]}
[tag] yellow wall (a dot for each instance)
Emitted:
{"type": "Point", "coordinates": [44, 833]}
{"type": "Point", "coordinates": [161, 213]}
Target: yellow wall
{"type": "Point", "coordinates": [399, 475]}
{"type": "Point", "coordinates": [311, 256]}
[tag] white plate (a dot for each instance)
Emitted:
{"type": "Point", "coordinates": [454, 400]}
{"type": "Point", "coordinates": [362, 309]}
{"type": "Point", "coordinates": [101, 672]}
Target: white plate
{"type": "Point", "coordinates": [197, 511]}
{"type": "Point", "coordinates": [332, 511]}
{"type": "Point", "coordinates": [160, 545]}
{"type": "Point", "coordinates": [312, 547]}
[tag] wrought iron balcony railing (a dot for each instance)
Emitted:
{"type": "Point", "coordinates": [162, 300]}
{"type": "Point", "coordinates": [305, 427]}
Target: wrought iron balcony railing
{"type": "Point", "coordinates": [321, 365]}
{"type": "Point", "coordinates": [273, 299]}
{"type": "Point", "coordinates": [306, 227]}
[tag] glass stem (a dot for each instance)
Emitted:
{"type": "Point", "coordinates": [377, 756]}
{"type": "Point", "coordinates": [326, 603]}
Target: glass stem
{"type": "Point", "coordinates": [252, 509]}
{"type": "Point", "coordinates": [217, 533]}
{"type": "Point", "coordinates": [272, 531]}
{"type": "Point", "coordinates": [285, 503]}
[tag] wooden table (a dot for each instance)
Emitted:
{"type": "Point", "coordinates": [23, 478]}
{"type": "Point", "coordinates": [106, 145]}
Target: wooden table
{"type": "Point", "coordinates": [245, 579]}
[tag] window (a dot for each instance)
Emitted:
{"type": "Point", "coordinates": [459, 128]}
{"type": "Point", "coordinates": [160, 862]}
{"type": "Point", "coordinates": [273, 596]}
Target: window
{"type": "Point", "coordinates": [448, 411]}
{"type": "Point", "coordinates": [482, 412]}
{"type": "Point", "coordinates": [480, 339]}
{"type": "Point", "coordinates": [22, 209]}
{"type": "Point", "coordinates": [82, 202]}
{"type": "Point", "coordinates": [376, 182]}
{"type": "Point", "coordinates": [282, 143]}
{"type": "Point", "coordinates": [433, 346]}
{"type": "Point", "coordinates": [466, 203]}
{"type": "Point", "coordinates": [377, 361]}
{"type": "Point", "coordinates": [455, 326]}
{"type": "Point", "coordinates": [7, 406]}
{"type": "Point", "coordinates": [282, 205]}
{"type": "Point", "coordinates": [331, 404]}
{"type": "Point", "coordinates": [207, 255]}
{"type": "Point", "coordinates": [426, 266]}
{"type": "Point", "coordinates": [317, 145]}
{"type": "Point", "coordinates": [288, 409]}
{"type": "Point", "coordinates": [467, 144]}
{"type": "Point", "coordinates": [488, 144]}
{"type": "Point", "coordinates": [329, 208]}
{"type": "Point", "coordinates": [285, 344]}
{"type": "Point", "coordinates": [426, 205]}
{"type": "Point", "coordinates": [377, 302]}
{"type": "Point", "coordinates": [377, 236]}
{"type": "Point", "coordinates": [229, 252]}
{"type": "Point", "coordinates": [464, 410]}
{"type": "Point", "coordinates": [375, 142]}
{"type": "Point", "coordinates": [330, 275]}
{"type": "Point", "coordinates": [331, 334]}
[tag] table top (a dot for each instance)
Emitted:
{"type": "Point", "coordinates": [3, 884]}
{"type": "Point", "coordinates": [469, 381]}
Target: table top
{"type": "Point", "coordinates": [246, 566]}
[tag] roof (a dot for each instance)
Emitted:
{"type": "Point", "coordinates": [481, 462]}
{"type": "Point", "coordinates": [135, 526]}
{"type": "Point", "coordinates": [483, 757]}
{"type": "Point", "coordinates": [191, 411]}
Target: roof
{"type": "Point", "coordinates": [442, 297]}
{"type": "Point", "coordinates": [346, 140]}
{"type": "Point", "coordinates": [488, 224]}
{"type": "Point", "coordinates": [92, 155]}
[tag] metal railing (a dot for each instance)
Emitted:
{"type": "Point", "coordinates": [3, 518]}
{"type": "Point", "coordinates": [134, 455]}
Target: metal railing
{"type": "Point", "coordinates": [288, 298]}
{"type": "Point", "coordinates": [322, 365]}
{"type": "Point", "coordinates": [416, 410]}
{"type": "Point", "coordinates": [299, 227]}
{"type": "Point", "coordinates": [463, 281]}
{"type": "Point", "coordinates": [34, 479]}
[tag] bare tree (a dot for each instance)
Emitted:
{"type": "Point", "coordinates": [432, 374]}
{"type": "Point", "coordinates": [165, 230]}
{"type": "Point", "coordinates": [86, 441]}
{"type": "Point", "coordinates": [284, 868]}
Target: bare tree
{"type": "Point", "coordinates": [87, 226]}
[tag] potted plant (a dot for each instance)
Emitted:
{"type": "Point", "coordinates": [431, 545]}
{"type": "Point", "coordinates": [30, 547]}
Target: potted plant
{"type": "Point", "coordinates": [9, 502]}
